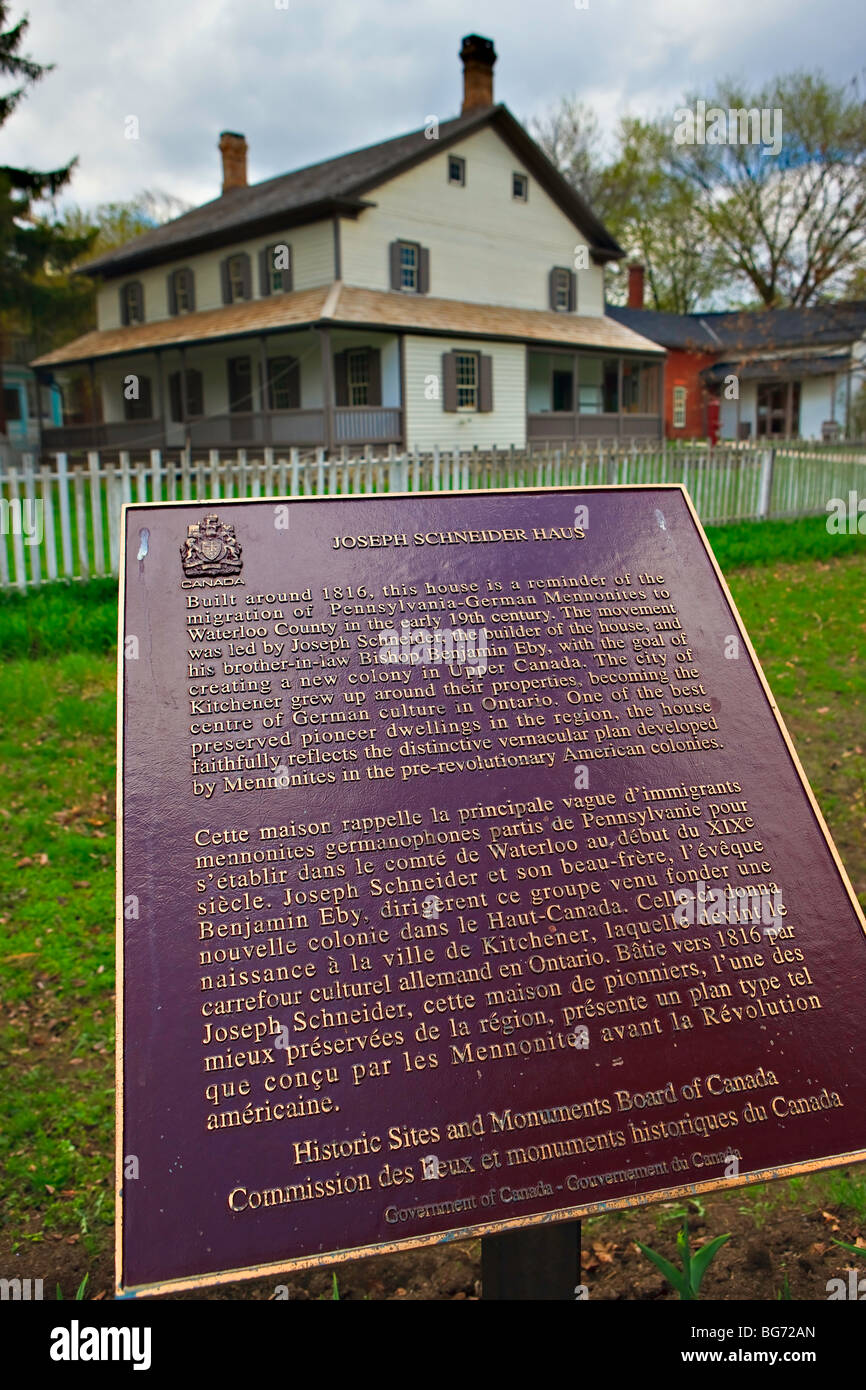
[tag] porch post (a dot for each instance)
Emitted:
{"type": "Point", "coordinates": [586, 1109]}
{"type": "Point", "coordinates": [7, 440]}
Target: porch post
{"type": "Point", "coordinates": [264, 392]}
{"type": "Point", "coordinates": [183, 405]}
{"type": "Point", "coordinates": [39, 417]}
{"type": "Point", "coordinates": [788, 394]}
{"type": "Point", "coordinates": [327, 387]}
{"type": "Point", "coordinates": [91, 370]}
{"type": "Point", "coordinates": [619, 395]}
{"type": "Point", "coordinates": [402, 355]}
{"type": "Point", "coordinates": [160, 397]}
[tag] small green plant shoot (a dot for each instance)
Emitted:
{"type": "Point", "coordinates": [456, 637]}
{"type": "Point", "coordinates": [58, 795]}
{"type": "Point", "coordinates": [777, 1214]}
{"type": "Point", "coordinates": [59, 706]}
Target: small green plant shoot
{"type": "Point", "coordinates": [688, 1281]}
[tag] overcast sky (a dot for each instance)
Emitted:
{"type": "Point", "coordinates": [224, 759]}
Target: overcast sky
{"type": "Point", "coordinates": [307, 79]}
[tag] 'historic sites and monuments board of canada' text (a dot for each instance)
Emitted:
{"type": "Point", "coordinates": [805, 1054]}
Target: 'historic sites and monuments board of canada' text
{"type": "Point", "coordinates": [467, 877]}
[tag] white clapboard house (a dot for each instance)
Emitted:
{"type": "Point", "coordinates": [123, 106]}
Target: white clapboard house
{"type": "Point", "coordinates": [442, 288]}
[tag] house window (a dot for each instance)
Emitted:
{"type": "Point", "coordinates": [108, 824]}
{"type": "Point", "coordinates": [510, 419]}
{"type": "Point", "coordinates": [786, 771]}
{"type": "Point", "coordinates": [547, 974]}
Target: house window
{"type": "Point", "coordinates": [277, 269]}
{"type": "Point", "coordinates": [12, 403]}
{"type": "Point", "coordinates": [640, 387]}
{"type": "Point", "coordinates": [598, 385]}
{"type": "Point", "coordinates": [467, 380]}
{"type": "Point", "coordinates": [679, 413]}
{"type": "Point", "coordinates": [408, 265]}
{"type": "Point", "coordinates": [283, 383]}
{"type": "Point", "coordinates": [456, 170]}
{"type": "Point", "coordinates": [358, 377]}
{"type": "Point", "coordinates": [132, 300]}
{"type": "Point", "coordinates": [194, 396]}
{"type": "Point", "coordinates": [137, 398]}
{"type": "Point", "coordinates": [182, 296]}
{"type": "Point", "coordinates": [778, 408]}
{"type": "Point", "coordinates": [520, 187]}
{"type": "Point", "coordinates": [561, 291]}
{"type": "Point", "coordinates": [236, 277]}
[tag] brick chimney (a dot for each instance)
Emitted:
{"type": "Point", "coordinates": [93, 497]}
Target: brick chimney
{"type": "Point", "coordinates": [635, 285]}
{"type": "Point", "coordinates": [478, 56]}
{"type": "Point", "coordinates": [233, 148]}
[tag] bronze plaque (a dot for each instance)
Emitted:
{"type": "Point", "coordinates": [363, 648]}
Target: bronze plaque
{"type": "Point", "coordinates": [468, 879]}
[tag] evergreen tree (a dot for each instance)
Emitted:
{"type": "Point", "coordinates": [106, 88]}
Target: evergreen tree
{"type": "Point", "coordinates": [35, 296]}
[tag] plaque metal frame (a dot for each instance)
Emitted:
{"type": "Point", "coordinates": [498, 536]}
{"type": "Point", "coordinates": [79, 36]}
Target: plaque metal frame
{"type": "Point", "coordinates": [482, 1228]}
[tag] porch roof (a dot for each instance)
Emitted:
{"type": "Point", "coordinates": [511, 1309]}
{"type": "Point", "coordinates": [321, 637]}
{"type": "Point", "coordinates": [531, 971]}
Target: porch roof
{"type": "Point", "coordinates": [779, 368]}
{"type": "Point", "coordinates": [339, 305]}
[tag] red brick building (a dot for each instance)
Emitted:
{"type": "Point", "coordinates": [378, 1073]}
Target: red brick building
{"type": "Point", "coordinates": [688, 405]}
{"type": "Point", "coordinates": [755, 373]}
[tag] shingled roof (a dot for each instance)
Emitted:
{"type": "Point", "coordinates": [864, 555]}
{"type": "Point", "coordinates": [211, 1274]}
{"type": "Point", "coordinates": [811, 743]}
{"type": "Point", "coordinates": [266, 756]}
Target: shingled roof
{"type": "Point", "coordinates": [748, 331]}
{"type": "Point", "coordinates": [347, 306]}
{"type": "Point", "coordinates": [339, 186]}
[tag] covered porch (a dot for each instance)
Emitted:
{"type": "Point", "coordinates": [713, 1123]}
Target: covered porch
{"type": "Point", "coordinates": [573, 395]}
{"type": "Point", "coordinates": [315, 388]}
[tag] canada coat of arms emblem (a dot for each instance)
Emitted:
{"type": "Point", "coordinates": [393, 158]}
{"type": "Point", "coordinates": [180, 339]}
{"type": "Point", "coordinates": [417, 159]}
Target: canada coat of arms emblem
{"type": "Point", "coordinates": [211, 547]}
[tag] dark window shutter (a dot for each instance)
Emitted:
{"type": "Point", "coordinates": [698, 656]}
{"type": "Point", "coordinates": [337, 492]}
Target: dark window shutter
{"type": "Point", "coordinates": [194, 392]}
{"type": "Point", "coordinates": [394, 254]}
{"type": "Point", "coordinates": [246, 275]}
{"type": "Point", "coordinates": [172, 293]}
{"type": "Point", "coordinates": [572, 291]}
{"type": "Point", "coordinates": [190, 289]}
{"type": "Point", "coordinates": [551, 288]}
{"type": "Point", "coordinates": [124, 306]}
{"type": "Point", "coordinates": [374, 389]}
{"type": "Point", "coordinates": [289, 275]}
{"type": "Point", "coordinates": [341, 378]}
{"type": "Point", "coordinates": [294, 384]}
{"type": "Point", "coordinates": [449, 381]}
{"type": "Point", "coordinates": [226, 281]}
{"type": "Point", "coordinates": [485, 383]}
{"type": "Point", "coordinates": [424, 271]}
{"type": "Point", "coordinates": [265, 271]}
{"type": "Point", "coordinates": [175, 404]}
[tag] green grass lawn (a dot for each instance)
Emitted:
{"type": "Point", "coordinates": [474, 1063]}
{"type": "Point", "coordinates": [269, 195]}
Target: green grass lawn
{"type": "Point", "coordinates": [802, 595]}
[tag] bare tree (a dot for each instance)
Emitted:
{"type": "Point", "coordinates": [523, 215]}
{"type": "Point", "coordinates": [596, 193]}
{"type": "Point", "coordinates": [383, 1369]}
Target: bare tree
{"type": "Point", "coordinates": [570, 137]}
{"type": "Point", "coordinates": [792, 223]}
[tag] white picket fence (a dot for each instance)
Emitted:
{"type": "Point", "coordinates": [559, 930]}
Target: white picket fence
{"type": "Point", "coordinates": [81, 499]}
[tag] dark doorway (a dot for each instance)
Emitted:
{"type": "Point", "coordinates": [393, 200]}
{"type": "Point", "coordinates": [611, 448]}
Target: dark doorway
{"type": "Point", "coordinates": [563, 391]}
{"type": "Point", "coordinates": [240, 385]}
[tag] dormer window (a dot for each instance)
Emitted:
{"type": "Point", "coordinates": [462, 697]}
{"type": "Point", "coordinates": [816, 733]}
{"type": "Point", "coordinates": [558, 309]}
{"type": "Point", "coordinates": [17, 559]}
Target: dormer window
{"type": "Point", "coordinates": [132, 303]}
{"type": "Point", "coordinates": [181, 291]}
{"type": "Point", "coordinates": [457, 170]}
{"type": "Point", "coordinates": [520, 187]}
{"type": "Point", "coordinates": [562, 290]}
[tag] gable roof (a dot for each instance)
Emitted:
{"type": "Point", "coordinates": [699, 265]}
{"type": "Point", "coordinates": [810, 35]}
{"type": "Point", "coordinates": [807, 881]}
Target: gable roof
{"type": "Point", "coordinates": [749, 330]}
{"type": "Point", "coordinates": [339, 186]}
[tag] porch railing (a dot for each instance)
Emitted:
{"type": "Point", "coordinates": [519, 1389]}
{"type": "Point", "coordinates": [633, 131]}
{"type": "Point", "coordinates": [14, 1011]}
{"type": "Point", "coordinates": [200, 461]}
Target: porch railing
{"type": "Point", "coordinates": [60, 517]}
{"type": "Point", "coordinates": [305, 428]}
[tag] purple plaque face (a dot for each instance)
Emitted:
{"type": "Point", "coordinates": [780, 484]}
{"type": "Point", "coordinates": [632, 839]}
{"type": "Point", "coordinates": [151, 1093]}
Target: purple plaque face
{"type": "Point", "coordinates": [468, 879]}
